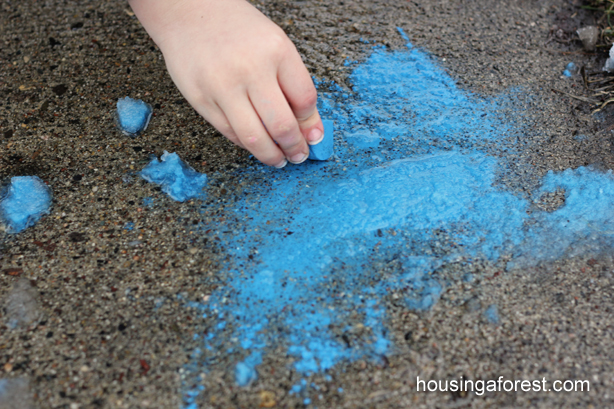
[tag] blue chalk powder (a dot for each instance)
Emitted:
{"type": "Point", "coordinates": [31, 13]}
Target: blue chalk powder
{"type": "Point", "coordinates": [23, 202]}
{"type": "Point", "coordinates": [570, 69]}
{"type": "Point", "coordinates": [414, 162]}
{"type": "Point", "coordinates": [492, 314]}
{"type": "Point", "coordinates": [325, 149]}
{"type": "Point", "coordinates": [133, 115]}
{"type": "Point", "coordinates": [245, 372]}
{"type": "Point", "coordinates": [177, 179]}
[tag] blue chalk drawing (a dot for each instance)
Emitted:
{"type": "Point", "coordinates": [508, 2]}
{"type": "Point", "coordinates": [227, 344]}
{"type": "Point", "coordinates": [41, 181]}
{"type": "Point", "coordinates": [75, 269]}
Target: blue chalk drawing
{"type": "Point", "coordinates": [133, 115]}
{"type": "Point", "coordinates": [325, 149]}
{"type": "Point", "coordinates": [416, 159]}
{"type": "Point", "coordinates": [178, 179]}
{"type": "Point", "coordinates": [23, 202]}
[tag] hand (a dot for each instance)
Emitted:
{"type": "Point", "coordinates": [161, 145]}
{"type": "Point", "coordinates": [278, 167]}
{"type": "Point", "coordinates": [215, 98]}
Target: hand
{"type": "Point", "coordinates": [240, 72]}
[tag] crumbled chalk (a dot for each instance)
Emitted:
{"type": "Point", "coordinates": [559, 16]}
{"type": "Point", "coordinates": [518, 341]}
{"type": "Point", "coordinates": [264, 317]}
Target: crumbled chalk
{"type": "Point", "coordinates": [15, 394]}
{"type": "Point", "coordinates": [177, 179]}
{"type": "Point", "coordinates": [133, 115]}
{"type": "Point", "coordinates": [245, 372]}
{"type": "Point", "coordinates": [21, 305]}
{"type": "Point", "coordinates": [325, 149]}
{"type": "Point", "coordinates": [589, 36]}
{"type": "Point", "coordinates": [23, 202]}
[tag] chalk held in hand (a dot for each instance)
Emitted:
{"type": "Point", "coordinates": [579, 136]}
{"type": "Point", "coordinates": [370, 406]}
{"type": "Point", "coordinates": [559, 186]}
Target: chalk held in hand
{"type": "Point", "coordinates": [23, 202]}
{"type": "Point", "coordinates": [177, 179]}
{"type": "Point", "coordinates": [325, 149]}
{"type": "Point", "coordinates": [133, 115]}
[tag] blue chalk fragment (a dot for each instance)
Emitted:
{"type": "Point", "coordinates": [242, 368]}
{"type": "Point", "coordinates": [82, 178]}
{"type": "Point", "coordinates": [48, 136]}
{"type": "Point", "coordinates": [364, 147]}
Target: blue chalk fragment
{"type": "Point", "coordinates": [23, 202]}
{"type": "Point", "coordinates": [133, 115]}
{"type": "Point", "coordinates": [177, 179]}
{"type": "Point", "coordinates": [325, 149]}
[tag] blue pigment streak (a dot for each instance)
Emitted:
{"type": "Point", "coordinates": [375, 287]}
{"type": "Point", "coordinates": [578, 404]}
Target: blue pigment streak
{"type": "Point", "coordinates": [414, 159]}
{"type": "Point", "coordinates": [133, 115]}
{"type": "Point", "coordinates": [23, 202]}
{"type": "Point", "coordinates": [178, 180]}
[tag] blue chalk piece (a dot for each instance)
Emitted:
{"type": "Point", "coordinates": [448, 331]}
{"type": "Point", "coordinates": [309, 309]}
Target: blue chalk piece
{"type": "Point", "coordinates": [23, 202]}
{"type": "Point", "coordinates": [133, 115]}
{"type": "Point", "coordinates": [492, 314]}
{"type": "Point", "coordinates": [177, 179]}
{"type": "Point", "coordinates": [325, 149]}
{"type": "Point", "coordinates": [129, 226]}
{"type": "Point", "coordinates": [567, 73]}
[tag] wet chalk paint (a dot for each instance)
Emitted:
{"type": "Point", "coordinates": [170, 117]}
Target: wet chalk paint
{"type": "Point", "coordinates": [178, 180]}
{"type": "Point", "coordinates": [415, 158]}
{"type": "Point", "coordinates": [23, 201]}
{"type": "Point", "coordinates": [133, 115]}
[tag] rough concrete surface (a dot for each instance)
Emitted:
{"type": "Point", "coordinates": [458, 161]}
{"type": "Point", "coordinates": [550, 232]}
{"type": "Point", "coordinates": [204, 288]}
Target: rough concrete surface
{"type": "Point", "coordinates": [111, 331]}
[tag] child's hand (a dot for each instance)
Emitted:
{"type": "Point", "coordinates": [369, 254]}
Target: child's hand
{"type": "Point", "coordinates": [240, 72]}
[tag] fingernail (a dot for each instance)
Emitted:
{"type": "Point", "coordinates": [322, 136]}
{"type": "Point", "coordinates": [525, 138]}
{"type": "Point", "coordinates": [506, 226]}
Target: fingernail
{"type": "Point", "coordinates": [298, 158]}
{"type": "Point", "coordinates": [315, 137]}
{"type": "Point", "coordinates": [282, 164]}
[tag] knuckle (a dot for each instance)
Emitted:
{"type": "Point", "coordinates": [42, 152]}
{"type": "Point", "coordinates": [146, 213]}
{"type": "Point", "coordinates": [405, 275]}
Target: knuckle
{"type": "Point", "coordinates": [251, 141]}
{"type": "Point", "coordinates": [278, 43]}
{"type": "Point", "coordinates": [287, 139]}
{"type": "Point", "coordinates": [307, 103]}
